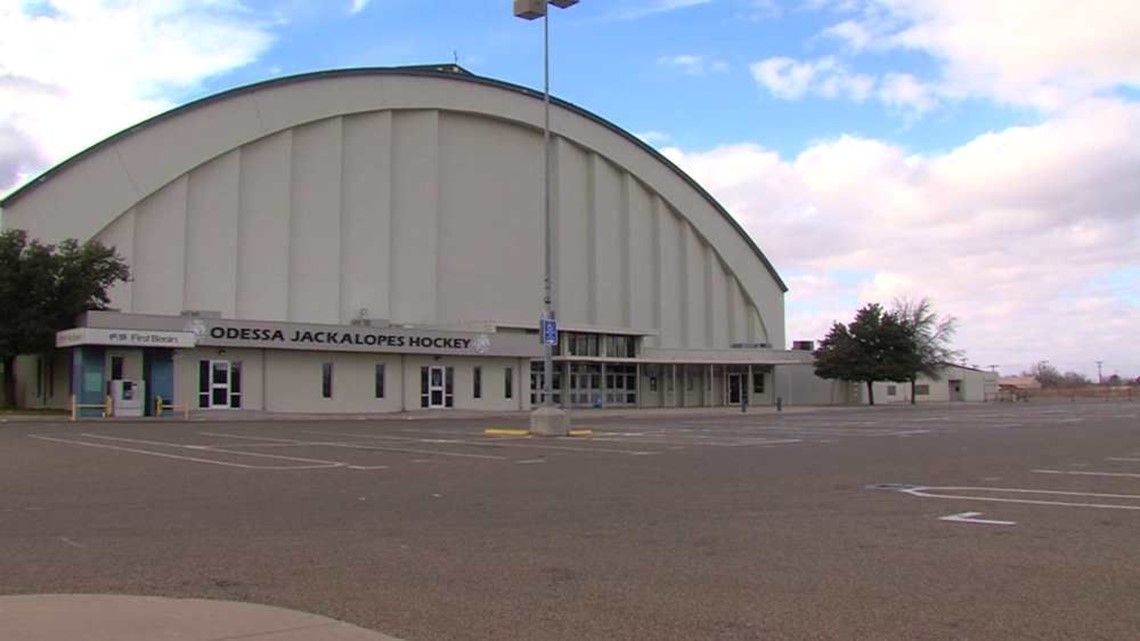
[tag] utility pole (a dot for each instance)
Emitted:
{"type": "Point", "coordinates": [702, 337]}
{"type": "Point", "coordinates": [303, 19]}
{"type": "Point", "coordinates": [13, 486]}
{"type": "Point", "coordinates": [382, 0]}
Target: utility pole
{"type": "Point", "coordinates": [1099, 378]}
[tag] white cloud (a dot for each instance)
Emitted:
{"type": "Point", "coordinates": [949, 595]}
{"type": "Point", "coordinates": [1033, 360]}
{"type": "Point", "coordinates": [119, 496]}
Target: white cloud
{"type": "Point", "coordinates": [905, 92]}
{"type": "Point", "coordinates": [855, 34]}
{"type": "Point", "coordinates": [1046, 53]}
{"type": "Point", "coordinates": [693, 65]}
{"type": "Point", "coordinates": [633, 9]}
{"type": "Point", "coordinates": [113, 62]}
{"type": "Point", "coordinates": [653, 137]}
{"type": "Point", "coordinates": [827, 77]}
{"type": "Point", "coordinates": [1011, 232]}
{"type": "Point", "coordinates": [359, 5]}
{"type": "Point", "coordinates": [762, 10]}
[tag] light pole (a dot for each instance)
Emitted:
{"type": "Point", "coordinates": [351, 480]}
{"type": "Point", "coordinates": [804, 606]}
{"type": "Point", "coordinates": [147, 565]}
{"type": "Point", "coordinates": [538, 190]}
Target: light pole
{"type": "Point", "coordinates": [547, 420]}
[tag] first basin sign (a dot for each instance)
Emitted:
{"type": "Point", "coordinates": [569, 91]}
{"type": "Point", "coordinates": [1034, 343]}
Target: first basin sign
{"type": "Point", "coordinates": [549, 332]}
{"type": "Point", "coordinates": [122, 337]}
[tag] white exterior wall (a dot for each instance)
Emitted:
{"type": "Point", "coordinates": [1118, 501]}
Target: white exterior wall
{"type": "Point", "coordinates": [798, 385]}
{"type": "Point", "coordinates": [494, 390]}
{"type": "Point", "coordinates": [294, 382]}
{"type": "Point", "coordinates": [415, 198]}
{"type": "Point", "coordinates": [42, 382]}
{"type": "Point", "coordinates": [291, 381]}
{"type": "Point", "coordinates": [253, 374]}
{"type": "Point", "coordinates": [976, 386]}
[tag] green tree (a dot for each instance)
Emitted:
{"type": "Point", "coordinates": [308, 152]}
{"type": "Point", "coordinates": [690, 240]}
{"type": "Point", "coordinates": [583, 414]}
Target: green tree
{"type": "Point", "coordinates": [44, 288]}
{"type": "Point", "coordinates": [876, 346]}
{"type": "Point", "coordinates": [930, 335]}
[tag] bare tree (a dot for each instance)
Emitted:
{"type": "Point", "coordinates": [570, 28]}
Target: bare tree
{"type": "Point", "coordinates": [931, 336]}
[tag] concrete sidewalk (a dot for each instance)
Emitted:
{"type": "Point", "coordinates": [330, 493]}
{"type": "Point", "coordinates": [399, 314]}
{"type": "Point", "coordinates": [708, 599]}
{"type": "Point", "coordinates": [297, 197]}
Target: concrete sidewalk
{"type": "Point", "coordinates": [578, 416]}
{"type": "Point", "coordinates": [101, 617]}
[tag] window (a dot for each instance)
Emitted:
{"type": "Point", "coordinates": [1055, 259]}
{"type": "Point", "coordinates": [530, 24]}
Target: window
{"type": "Point", "coordinates": [598, 345]}
{"type": "Point", "coordinates": [922, 390]}
{"type": "Point", "coordinates": [892, 390]}
{"type": "Point", "coordinates": [204, 384]}
{"type": "Point", "coordinates": [326, 380]}
{"type": "Point", "coordinates": [537, 380]}
{"type": "Point", "coordinates": [508, 383]}
{"type": "Point", "coordinates": [477, 381]}
{"type": "Point", "coordinates": [619, 346]}
{"type": "Point", "coordinates": [116, 368]}
{"type": "Point", "coordinates": [757, 382]}
{"type": "Point", "coordinates": [235, 384]}
{"type": "Point", "coordinates": [379, 383]}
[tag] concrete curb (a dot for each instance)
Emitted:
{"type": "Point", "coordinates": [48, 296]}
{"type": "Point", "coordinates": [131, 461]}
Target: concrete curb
{"type": "Point", "coordinates": [506, 418]}
{"type": "Point", "coordinates": [107, 617]}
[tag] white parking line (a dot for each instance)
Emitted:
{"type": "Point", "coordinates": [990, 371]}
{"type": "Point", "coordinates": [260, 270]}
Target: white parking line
{"type": "Point", "coordinates": [972, 517]}
{"type": "Point", "coordinates": [525, 445]}
{"type": "Point", "coordinates": [359, 446]}
{"type": "Point", "coordinates": [1088, 473]}
{"type": "Point", "coordinates": [931, 492]}
{"type": "Point", "coordinates": [185, 458]}
{"type": "Point", "coordinates": [727, 441]}
{"type": "Point", "coordinates": [212, 448]}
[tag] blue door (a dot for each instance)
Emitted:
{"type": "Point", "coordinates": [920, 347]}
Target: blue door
{"type": "Point", "coordinates": [158, 372]}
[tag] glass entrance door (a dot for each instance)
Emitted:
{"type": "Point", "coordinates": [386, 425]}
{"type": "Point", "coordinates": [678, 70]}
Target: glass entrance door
{"type": "Point", "coordinates": [736, 388]}
{"type": "Point", "coordinates": [219, 384]}
{"type": "Point", "coordinates": [436, 387]}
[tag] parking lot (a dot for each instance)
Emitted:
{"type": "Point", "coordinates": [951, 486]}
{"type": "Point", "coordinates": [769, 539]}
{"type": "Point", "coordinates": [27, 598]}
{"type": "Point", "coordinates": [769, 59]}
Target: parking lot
{"type": "Point", "coordinates": [995, 521]}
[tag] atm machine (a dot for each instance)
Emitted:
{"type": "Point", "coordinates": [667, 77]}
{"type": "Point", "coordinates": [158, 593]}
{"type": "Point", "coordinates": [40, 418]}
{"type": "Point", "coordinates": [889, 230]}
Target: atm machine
{"type": "Point", "coordinates": [128, 398]}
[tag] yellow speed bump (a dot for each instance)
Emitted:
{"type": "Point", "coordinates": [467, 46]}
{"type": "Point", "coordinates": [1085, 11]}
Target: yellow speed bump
{"type": "Point", "coordinates": [582, 433]}
{"type": "Point", "coordinates": [506, 431]}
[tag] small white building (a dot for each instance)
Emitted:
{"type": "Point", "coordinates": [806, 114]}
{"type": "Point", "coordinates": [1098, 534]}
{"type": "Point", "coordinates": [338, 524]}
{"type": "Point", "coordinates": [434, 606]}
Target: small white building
{"type": "Point", "coordinates": [955, 383]}
{"type": "Point", "coordinates": [799, 385]}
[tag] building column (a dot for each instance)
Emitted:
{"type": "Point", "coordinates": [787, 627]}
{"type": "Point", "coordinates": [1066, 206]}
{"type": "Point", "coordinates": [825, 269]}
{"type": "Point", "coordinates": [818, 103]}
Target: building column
{"type": "Point", "coordinates": [604, 387]}
{"type": "Point", "coordinates": [640, 398]}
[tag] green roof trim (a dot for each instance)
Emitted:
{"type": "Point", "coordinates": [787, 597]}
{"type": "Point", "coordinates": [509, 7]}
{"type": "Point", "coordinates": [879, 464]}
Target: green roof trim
{"type": "Point", "coordinates": [450, 71]}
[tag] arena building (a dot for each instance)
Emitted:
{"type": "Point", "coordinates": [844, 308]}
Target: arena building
{"type": "Point", "coordinates": [371, 240]}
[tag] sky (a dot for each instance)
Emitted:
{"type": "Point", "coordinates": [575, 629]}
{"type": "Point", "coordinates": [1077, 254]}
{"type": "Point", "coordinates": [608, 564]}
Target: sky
{"type": "Point", "coordinates": [982, 155]}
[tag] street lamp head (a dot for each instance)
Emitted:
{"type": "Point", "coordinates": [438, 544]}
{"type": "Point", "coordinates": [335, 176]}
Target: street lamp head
{"type": "Point", "coordinates": [530, 9]}
{"type": "Point", "coordinates": [534, 9]}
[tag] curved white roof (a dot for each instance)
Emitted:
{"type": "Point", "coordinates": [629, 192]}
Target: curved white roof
{"type": "Point", "coordinates": [402, 191]}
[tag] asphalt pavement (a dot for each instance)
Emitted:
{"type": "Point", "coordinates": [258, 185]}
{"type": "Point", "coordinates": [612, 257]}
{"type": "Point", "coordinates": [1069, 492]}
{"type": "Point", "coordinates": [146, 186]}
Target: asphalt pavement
{"type": "Point", "coordinates": [964, 521]}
